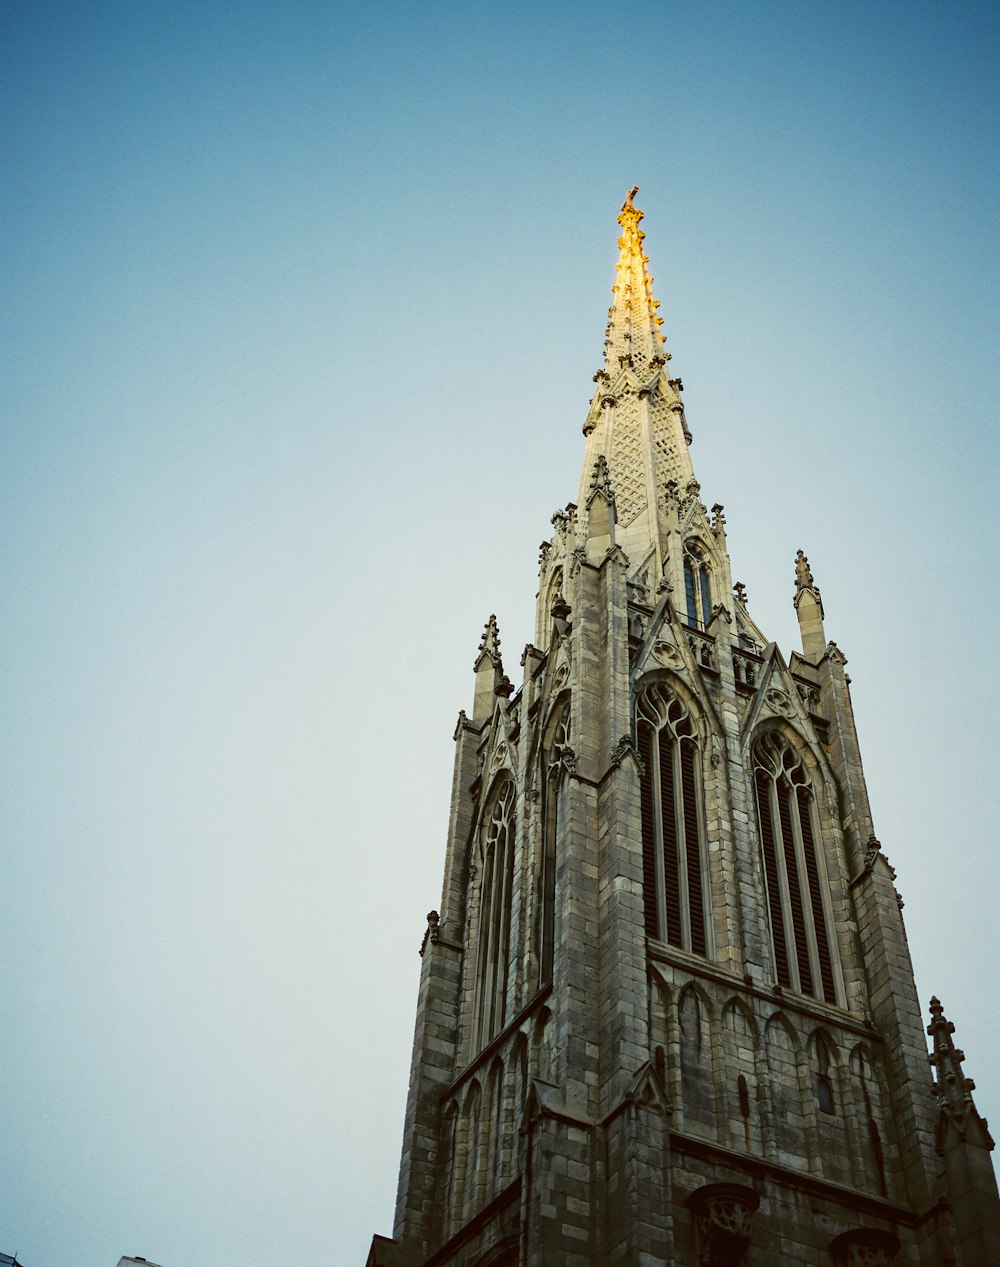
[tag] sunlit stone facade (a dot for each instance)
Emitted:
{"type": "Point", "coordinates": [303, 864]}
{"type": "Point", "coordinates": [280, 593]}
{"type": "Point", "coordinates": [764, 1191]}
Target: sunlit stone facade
{"type": "Point", "coordinates": [667, 1014]}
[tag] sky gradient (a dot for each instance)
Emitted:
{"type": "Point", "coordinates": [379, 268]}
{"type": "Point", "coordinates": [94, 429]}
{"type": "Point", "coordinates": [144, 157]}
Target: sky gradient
{"type": "Point", "coordinates": [302, 305]}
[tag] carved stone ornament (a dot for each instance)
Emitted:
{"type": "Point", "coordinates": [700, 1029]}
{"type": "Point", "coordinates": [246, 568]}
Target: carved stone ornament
{"type": "Point", "coordinates": [873, 849]}
{"type": "Point", "coordinates": [667, 653]}
{"type": "Point", "coordinates": [864, 1247]}
{"type": "Point", "coordinates": [779, 702]}
{"type": "Point", "coordinates": [809, 695]}
{"type": "Point", "coordinates": [721, 613]}
{"type": "Point", "coordinates": [433, 931]}
{"type": "Point", "coordinates": [625, 747]}
{"type": "Point", "coordinates": [723, 1222]}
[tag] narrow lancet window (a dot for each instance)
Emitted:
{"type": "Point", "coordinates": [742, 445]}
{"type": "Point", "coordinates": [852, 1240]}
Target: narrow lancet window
{"type": "Point", "coordinates": [785, 815]}
{"type": "Point", "coordinates": [673, 849]}
{"type": "Point", "coordinates": [496, 876]}
{"type": "Point", "coordinates": [697, 588]}
{"type": "Point", "coordinates": [554, 756]}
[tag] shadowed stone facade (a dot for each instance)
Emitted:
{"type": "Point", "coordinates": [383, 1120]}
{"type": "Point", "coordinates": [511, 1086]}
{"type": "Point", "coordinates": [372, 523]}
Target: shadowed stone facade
{"type": "Point", "coordinates": [667, 1015]}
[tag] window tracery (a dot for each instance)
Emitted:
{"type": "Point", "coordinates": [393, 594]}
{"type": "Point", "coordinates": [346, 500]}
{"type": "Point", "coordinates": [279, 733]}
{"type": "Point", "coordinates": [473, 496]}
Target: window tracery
{"type": "Point", "coordinates": [697, 587]}
{"type": "Point", "coordinates": [785, 814]}
{"type": "Point", "coordinates": [555, 755]}
{"type": "Point", "coordinates": [825, 1101]}
{"type": "Point", "coordinates": [496, 880]}
{"type": "Point", "coordinates": [673, 850]}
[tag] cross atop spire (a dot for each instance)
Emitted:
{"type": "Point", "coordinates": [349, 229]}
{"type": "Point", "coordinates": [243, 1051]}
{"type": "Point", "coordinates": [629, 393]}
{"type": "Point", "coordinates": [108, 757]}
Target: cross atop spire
{"type": "Point", "coordinates": [633, 335]}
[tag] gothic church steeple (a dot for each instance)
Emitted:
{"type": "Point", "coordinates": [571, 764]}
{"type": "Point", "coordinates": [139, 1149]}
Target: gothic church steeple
{"type": "Point", "coordinates": [666, 1015]}
{"type": "Point", "coordinates": [636, 417]}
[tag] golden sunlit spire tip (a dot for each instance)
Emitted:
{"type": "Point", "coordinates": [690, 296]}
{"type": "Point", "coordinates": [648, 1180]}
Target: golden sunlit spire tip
{"type": "Point", "coordinates": [630, 213]}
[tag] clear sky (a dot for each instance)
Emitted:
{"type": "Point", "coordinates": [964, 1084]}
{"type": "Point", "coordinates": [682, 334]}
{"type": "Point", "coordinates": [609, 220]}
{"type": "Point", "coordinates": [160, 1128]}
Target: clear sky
{"type": "Point", "coordinates": [301, 307]}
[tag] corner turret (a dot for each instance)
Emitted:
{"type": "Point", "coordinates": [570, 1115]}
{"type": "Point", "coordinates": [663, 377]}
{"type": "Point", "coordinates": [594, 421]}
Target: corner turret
{"type": "Point", "coordinates": [964, 1143]}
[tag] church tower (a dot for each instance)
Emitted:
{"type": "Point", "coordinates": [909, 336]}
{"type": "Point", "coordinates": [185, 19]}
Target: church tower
{"type": "Point", "coordinates": [667, 1015]}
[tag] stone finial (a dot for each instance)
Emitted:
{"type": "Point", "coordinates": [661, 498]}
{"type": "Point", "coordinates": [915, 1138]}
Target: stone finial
{"type": "Point", "coordinates": [629, 218]}
{"type": "Point", "coordinates": [490, 677]}
{"type": "Point", "coordinates": [489, 643]}
{"type": "Point", "coordinates": [803, 577]}
{"type": "Point", "coordinates": [741, 596]}
{"type": "Point", "coordinates": [601, 512]}
{"type": "Point", "coordinates": [809, 609]}
{"type": "Point", "coordinates": [952, 1088]}
{"type": "Point", "coordinates": [600, 480]}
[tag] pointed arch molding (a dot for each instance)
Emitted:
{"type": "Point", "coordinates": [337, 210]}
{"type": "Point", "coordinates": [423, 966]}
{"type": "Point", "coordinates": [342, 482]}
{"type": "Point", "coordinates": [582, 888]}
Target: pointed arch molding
{"type": "Point", "coordinates": [493, 890]}
{"type": "Point", "coordinates": [796, 880]}
{"type": "Point", "coordinates": [723, 1222]}
{"type": "Point", "coordinates": [675, 872]}
{"type": "Point", "coordinates": [865, 1247]}
{"type": "Point", "coordinates": [776, 702]}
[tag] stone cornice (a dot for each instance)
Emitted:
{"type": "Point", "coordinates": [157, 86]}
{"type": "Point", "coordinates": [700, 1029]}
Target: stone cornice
{"type": "Point", "coordinates": [825, 1189]}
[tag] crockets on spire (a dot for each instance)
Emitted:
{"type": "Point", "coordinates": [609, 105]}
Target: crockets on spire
{"type": "Point", "coordinates": [636, 416]}
{"type": "Point", "coordinates": [490, 677]}
{"type": "Point", "coordinates": [633, 336]}
{"type": "Point", "coordinates": [952, 1088]}
{"type": "Point", "coordinates": [809, 609]}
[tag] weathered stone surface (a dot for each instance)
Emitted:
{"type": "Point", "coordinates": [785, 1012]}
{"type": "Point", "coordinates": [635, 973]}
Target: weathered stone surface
{"type": "Point", "coordinates": [681, 1026]}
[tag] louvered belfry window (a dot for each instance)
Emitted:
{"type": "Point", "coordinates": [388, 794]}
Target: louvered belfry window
{"type": "Point", "coordinates": [785, 814]}
{"type": "Point", "coordinates": [673, 855]}
{"type": "Point", "coordinates": [496, 877]}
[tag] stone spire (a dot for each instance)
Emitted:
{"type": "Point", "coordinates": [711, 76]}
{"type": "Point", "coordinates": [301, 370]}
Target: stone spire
{"type": "Point", "coordinates": [633, 335]}
{"type": "Point", "coordinates": [809, 609]}
{"type": "Point", "coordinates": [636, 416]}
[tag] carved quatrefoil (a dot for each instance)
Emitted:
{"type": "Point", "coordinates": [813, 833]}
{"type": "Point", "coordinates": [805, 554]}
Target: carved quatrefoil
{"type": "Point", "coordinates": [667, 653]}
{"type": "Point", "coordinates": [779, 701]}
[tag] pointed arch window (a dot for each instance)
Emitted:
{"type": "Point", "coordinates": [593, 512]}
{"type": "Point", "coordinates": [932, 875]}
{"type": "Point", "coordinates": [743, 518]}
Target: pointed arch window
{"type": "Point", "coordinates": [673, 839]}
{"type": "Point", "coordinates": [825, 1101]}
{"type": "Point", "coordinates": [496, 880]}
{"type": "Point", "coordinates": [786, 817]}
{"type": "Point", "coordinates": [554, 755]}
{"type": "Point", "coordinates": [697, 589]}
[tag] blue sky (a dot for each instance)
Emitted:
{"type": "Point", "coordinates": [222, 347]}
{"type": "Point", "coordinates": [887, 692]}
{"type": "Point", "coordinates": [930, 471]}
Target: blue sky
{"type": "Point", "coordinates": [302, 304]}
